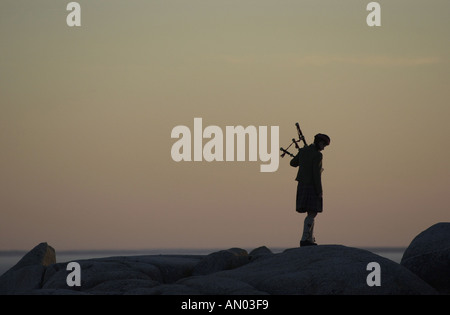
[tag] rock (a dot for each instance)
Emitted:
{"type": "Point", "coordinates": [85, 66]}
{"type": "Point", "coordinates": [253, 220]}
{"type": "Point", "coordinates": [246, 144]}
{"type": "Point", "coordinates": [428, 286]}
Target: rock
{"type": "Point", "coordinates": [164, 289]}
{"type": "Point", "coordinates": [428, 256]}
{"type": "Point", "coordinates": [22, 280]}
{"type": "Point", "coordinates": [42, 254]}
{"type": "Point", "coordinates": [326, 269]}
{"type": "Point", "coordinates": [124, 274]}
{"type": "Point", "coordinates": [214, 285]}
{"type": "Point", "coordinates": [260, 251]}
{"type": "Point", "coordinates": [55, 292]}
{"type": "Point", "coordinates": [28, 272]}
{"type": "Point", "coordinates": [323, 269]}
{"type": "Point", "coordinates": [95, 273]}
{"type": "Point", "coordinates": [121, 286]}
{"type": "Point", "coordinates": [221, 260]}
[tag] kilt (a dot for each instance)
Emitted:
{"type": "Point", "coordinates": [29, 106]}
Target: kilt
{"type": "Point", "coordinates": [307, 199]}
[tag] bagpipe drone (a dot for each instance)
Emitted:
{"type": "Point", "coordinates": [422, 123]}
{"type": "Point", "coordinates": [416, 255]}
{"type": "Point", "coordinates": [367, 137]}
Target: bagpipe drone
{"type": "Point", "coordinates": [294, 142]}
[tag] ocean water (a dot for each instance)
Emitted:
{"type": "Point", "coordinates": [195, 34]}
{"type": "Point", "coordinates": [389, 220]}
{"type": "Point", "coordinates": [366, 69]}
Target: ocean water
{"type": "Point", "coordinates": [9, 258]}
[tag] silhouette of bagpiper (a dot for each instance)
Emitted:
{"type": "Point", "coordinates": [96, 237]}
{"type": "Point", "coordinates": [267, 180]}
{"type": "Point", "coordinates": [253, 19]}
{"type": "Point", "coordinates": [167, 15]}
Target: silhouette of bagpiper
{"type": "Point", "coordinates": [309, 177]}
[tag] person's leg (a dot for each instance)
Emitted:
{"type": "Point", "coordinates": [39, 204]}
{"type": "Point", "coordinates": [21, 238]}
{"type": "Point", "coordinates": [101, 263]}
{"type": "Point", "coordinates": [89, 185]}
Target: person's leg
{"type": "Point", "coordinates": [308, 229]}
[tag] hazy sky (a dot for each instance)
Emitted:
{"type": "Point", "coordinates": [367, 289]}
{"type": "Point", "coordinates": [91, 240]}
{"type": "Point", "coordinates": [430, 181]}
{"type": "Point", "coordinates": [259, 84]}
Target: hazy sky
{"type": "Point", "coordinates": [86, 115]}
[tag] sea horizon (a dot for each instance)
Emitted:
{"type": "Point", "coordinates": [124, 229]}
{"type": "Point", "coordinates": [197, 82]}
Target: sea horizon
{"type": "Point", "coordinates": [8, 258]}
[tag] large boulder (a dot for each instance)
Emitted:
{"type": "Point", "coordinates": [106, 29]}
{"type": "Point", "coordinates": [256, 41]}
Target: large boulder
{"type": "Point", "coordinates": [221, 260]}
{"type": "Point", "coordinates": [122, 274]}
{"type": "Point", "coordinates": [428, 256]}
{"type": "Point", "coordinates": [259, 252]}
{"type": "Point", "coordinates": [27, 274]}
{"type": "Point", "coordinates": [325, 269]}
{"type": "Point", "coordinates": [217, 285]}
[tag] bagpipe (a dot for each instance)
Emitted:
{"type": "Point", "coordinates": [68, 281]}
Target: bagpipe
{"type": "Point", "coordinates": [295, 142]}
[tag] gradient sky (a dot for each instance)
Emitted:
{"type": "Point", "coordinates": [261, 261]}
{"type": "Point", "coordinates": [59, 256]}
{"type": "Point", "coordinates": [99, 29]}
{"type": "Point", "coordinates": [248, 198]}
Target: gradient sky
{"type": "Point", "coordinates": [86, 115]}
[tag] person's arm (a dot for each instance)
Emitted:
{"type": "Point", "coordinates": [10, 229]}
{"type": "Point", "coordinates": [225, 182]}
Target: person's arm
{"type": "Point", "coordinates": [295, 160]}
{"type": "Point", "coordinates": [317, 173]}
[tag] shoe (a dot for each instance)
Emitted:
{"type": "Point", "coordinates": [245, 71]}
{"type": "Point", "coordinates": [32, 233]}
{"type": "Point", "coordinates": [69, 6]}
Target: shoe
{"type": "Point", "coordinates": [307, 243]}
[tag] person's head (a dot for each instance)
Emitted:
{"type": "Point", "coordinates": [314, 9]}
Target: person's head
{"type": "Point", "coordinates": [321, 141]}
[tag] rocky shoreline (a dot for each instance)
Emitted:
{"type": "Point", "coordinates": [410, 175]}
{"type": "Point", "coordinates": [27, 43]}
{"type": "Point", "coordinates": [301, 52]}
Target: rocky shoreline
{"type": "Point", "coordinates": [315, 270]}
